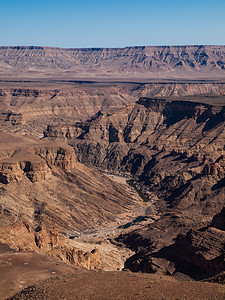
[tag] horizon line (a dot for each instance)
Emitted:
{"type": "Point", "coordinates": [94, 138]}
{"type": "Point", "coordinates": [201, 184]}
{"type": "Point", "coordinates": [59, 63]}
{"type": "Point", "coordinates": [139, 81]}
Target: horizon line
{"type": "Point", "coordinates": [100, 48]}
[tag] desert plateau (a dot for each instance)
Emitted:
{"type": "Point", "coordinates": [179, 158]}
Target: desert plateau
{"type": "Point", "coordinates": [112, 172]}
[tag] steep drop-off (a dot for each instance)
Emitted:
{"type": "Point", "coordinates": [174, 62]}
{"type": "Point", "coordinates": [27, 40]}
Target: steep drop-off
{"type": "Point", "coordinates": [28, 110]}
{"type": "Point", "coordinates": [47, 196]}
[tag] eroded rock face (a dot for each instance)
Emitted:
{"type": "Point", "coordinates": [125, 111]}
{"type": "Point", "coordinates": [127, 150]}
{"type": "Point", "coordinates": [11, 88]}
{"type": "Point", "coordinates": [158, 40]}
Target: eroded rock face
{"type": "Point", "coordinates": [62, 157]}
{"type": "Point", "coordinates": [197, 253]}
{"type": "Point", "coordinates": [204, 251]}
{"type": "Point", "coordinates": [24, 236]}
{"type": "Point", "coordinates": [25, 110]}
{"type": "Point", "coordinates": [34, 162]}
{"type": "Point", "coordinates": [89, 260]}
{"type": "Point", "coordinates": [151, 122]}
{"type": "Point", "coordinates": [16, 171]}
{"type": "Point", "coordinates": [175, 150]}
{"type": "Point", "coordinates": [21, 236]}
{"type": "Point", "coordinates": [219, 220]}
{"type": "Point", "coordinates": [46, 238]}
{"type": "Point", "coordinates": [46, 195]}
{"type": "Point", "coordinates": [13, 119]}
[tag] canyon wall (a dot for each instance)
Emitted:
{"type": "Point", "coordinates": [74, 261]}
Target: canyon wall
{"type": "Point", "coordinates": [29, 111]}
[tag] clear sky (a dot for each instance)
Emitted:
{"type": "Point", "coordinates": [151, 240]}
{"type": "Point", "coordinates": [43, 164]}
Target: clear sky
{"type": "Point", "coordinates": [117, 23]}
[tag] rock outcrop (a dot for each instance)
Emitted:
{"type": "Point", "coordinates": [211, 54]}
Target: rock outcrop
{"type": "Point", "coordinates": [22, 236]}
{"type": "Point", "coordinates": [198, 253]}
{"type": "Point", "coordinates": [46, 178]}
{"type": "Point", "coordinates": [35, 162]}
{"type": "Point", "coordinates": [90, 260]}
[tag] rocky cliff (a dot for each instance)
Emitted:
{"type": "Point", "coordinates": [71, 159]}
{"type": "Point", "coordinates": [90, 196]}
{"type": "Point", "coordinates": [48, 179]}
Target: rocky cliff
{"type": "Point", "coordinates": [198, 253]}
{"type": "Point", "coordinates": [47, 196]}
{"type": "Point", "coordinates": [34, 162]}
{"type": "Point", "coordinates": [130, 62]}
{"type": "Point", "coordinates": [27, 110]}
{"type": "Point", "coordinates": [150, 127]}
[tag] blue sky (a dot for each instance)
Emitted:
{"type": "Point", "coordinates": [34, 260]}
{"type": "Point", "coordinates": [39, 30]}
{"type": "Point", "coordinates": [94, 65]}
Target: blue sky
{"type": "Point", "coordinates": [76, 24]}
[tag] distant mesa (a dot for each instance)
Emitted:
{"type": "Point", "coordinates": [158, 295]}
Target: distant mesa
{"type": "Point", "coordinates": [130, 63]}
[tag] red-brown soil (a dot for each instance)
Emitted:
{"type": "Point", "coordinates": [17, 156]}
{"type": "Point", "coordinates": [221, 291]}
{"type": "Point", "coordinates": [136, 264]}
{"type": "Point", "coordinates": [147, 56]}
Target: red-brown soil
{"type": "Point", "coordinates": [20, 269]}
{"type": "Point", "coordinates": [120, 285]}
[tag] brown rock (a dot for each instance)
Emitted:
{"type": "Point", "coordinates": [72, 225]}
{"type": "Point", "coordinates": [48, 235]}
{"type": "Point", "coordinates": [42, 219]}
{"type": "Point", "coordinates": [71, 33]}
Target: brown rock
{"type": "Point", "coordinates": [88, 260]}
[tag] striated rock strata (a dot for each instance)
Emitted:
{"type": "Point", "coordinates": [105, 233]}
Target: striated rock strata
{"type": "Point", "coordinates": [46, 196]}
{"type": "Point", "coordinates": [131, 62]}
{"type": "Point", "coordinates": [175, 152]}
{"type": "Point", "coordinates": [25, 110]}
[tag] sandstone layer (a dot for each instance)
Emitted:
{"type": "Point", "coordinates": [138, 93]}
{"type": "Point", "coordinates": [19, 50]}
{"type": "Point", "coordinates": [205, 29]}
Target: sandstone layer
{"type": "Point", "coordinates": [27, 110]}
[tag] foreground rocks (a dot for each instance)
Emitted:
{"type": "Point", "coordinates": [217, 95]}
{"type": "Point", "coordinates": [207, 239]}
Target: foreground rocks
{"type": "Point", "coordinates": [21, 269]}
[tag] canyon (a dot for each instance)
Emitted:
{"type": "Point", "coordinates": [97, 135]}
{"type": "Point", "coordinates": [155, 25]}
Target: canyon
{"type": "Point", "coordinates": [173, 149]}
{"type": "Point", "coordinates": [112, 174]}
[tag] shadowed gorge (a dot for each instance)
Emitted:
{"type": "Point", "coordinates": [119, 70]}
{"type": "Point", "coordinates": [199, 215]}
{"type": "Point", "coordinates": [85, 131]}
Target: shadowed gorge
{"type": "Point", "coordinates": [174, 149]}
